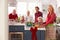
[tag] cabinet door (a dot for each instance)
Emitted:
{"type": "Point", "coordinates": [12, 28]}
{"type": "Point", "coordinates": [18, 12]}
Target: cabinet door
{"type": "Point", "coordinates": [27, 35]}
{"type": "Point", "coordinates": [40, 35]}
{"type": "Point", "coordinates": [16, 28]}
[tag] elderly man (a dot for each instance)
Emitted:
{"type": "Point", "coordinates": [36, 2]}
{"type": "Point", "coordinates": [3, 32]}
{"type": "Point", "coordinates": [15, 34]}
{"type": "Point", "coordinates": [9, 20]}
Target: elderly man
{"type": "Point", "coordinates": [13, 15]}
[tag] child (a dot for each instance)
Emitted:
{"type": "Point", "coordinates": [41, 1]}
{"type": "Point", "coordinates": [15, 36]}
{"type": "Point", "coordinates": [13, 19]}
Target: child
{"type": "Point", "coordinates": [22, 19]}
{"type": "Point", "coordinates": [33, 31]}
{"type": "Point", "coordinates": [40, 22]}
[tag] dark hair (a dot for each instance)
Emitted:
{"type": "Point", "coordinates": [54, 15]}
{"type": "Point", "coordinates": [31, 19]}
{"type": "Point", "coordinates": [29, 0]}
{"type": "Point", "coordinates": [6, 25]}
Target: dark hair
{"type": "Point", "coordinates": [37, 7]}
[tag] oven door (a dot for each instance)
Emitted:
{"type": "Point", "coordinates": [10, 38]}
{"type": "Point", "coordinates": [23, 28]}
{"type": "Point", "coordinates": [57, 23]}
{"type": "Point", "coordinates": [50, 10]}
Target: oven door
{"type": "Point", "coordinates": [16, 36]}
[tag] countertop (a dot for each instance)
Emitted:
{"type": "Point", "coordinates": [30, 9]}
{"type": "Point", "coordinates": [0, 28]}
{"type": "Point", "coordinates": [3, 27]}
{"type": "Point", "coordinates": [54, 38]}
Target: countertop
{"type": "Point", "coordinates": [25, 28]}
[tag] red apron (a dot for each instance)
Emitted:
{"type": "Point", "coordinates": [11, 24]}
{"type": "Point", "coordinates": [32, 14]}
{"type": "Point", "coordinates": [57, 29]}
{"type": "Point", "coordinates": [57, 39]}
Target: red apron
{"type": "Point", "coordinates": [34, 30]}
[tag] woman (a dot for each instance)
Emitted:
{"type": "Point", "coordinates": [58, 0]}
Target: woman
{"type": "Point", "coordinates": [51, 18]}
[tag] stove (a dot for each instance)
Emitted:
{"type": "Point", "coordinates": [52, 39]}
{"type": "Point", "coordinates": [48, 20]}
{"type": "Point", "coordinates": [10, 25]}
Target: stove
{"type": "Point", "coordinates": [16, 36]}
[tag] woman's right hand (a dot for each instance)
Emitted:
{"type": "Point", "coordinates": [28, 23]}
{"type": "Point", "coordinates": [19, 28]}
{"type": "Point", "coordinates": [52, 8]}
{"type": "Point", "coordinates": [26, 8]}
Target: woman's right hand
{"type": "Point", "coordinates": [44, 25]}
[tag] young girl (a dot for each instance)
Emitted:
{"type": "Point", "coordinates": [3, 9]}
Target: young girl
{"type": "Point", "coordinates": [40, 21]}
{"type": "Point", "coordinates": [39, 24]}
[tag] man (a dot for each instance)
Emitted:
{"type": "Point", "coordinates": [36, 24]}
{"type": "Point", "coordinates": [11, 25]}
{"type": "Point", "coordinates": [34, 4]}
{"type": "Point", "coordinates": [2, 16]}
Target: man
{"type": "Point", "coordinates": [13, 15]}
{"type": "Point", "coordinates": [37, 14]}
{"type": "Point", "coordinates": [29, 19]}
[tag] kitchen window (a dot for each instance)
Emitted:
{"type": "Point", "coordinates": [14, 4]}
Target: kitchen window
{"type": "Point", "coordinates": [23, 7]}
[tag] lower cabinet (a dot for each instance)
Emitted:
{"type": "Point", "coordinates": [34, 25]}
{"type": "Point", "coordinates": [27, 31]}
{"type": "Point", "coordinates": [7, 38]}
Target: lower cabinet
{"type": "Point", "coordinates": [40, 35]}
{"type": "Point", "coordinates": [26, 33]}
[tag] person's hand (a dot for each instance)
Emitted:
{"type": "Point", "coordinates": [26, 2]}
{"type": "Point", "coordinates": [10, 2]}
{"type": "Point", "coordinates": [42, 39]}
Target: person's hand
{"type": "Point", "coordinates": [44, 25]}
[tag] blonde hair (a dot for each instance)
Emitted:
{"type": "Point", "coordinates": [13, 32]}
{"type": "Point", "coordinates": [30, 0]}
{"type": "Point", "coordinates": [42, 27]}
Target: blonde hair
{"type": "Point", "coordinates": [51, 7]}
{"type": "Point", "coordinates": [40, 18]}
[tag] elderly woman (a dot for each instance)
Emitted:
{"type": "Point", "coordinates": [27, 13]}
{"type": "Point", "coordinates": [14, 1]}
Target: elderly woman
{"type": "Point", "coordinates": [51, 18]}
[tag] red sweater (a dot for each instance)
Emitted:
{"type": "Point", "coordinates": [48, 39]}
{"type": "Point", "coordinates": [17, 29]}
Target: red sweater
{"type": "Point", "coordinates": [50, 18]}
{"type": "Point", "coordinates": [13, 16]}
{"type": "Point", "coordinates": [38, 15]}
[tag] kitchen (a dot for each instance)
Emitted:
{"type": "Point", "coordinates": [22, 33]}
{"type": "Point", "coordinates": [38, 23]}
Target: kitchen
{"type": "Point", "coordinates": [4, 17]}
{"type": "Point", "coordinates": [21, 8]}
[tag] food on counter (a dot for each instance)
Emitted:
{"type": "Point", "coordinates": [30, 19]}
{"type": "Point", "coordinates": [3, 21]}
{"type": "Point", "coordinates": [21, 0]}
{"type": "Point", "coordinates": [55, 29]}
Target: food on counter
{"type": "Point", "coordinates": [29, 24]}
{"type": "Point", "coordinates": [36, 25]}
{"type": "Point", "coordinates": [18, 19]}
{"type": "Point", "coordinates": [39, 25]}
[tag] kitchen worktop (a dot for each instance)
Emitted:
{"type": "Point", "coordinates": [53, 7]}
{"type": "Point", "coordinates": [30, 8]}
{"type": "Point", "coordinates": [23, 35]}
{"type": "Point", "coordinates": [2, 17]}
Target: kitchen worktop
{"type": "Point", "coordinates": [21, 27]}
{"type": "Point", "coordinates": [25, 27]}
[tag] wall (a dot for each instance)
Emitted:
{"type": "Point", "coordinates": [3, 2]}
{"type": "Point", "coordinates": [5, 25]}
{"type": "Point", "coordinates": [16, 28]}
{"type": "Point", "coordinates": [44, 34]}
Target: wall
{"type": "Point", "coordinates": [45, 4]}
{"type": "Point", "coordinates": [3, 20]}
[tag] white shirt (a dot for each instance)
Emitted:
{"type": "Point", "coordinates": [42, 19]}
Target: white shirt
{"type": "Point", "coordinates": [29, 19]}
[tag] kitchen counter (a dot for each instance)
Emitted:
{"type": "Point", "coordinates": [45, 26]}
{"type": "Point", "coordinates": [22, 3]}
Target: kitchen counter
{"type": "Point", "coordinates": [28, 28]}
{"type": "Point", "coordinates": [25, 27]}
{"type": "Point", "coordinates": [18, 27]}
